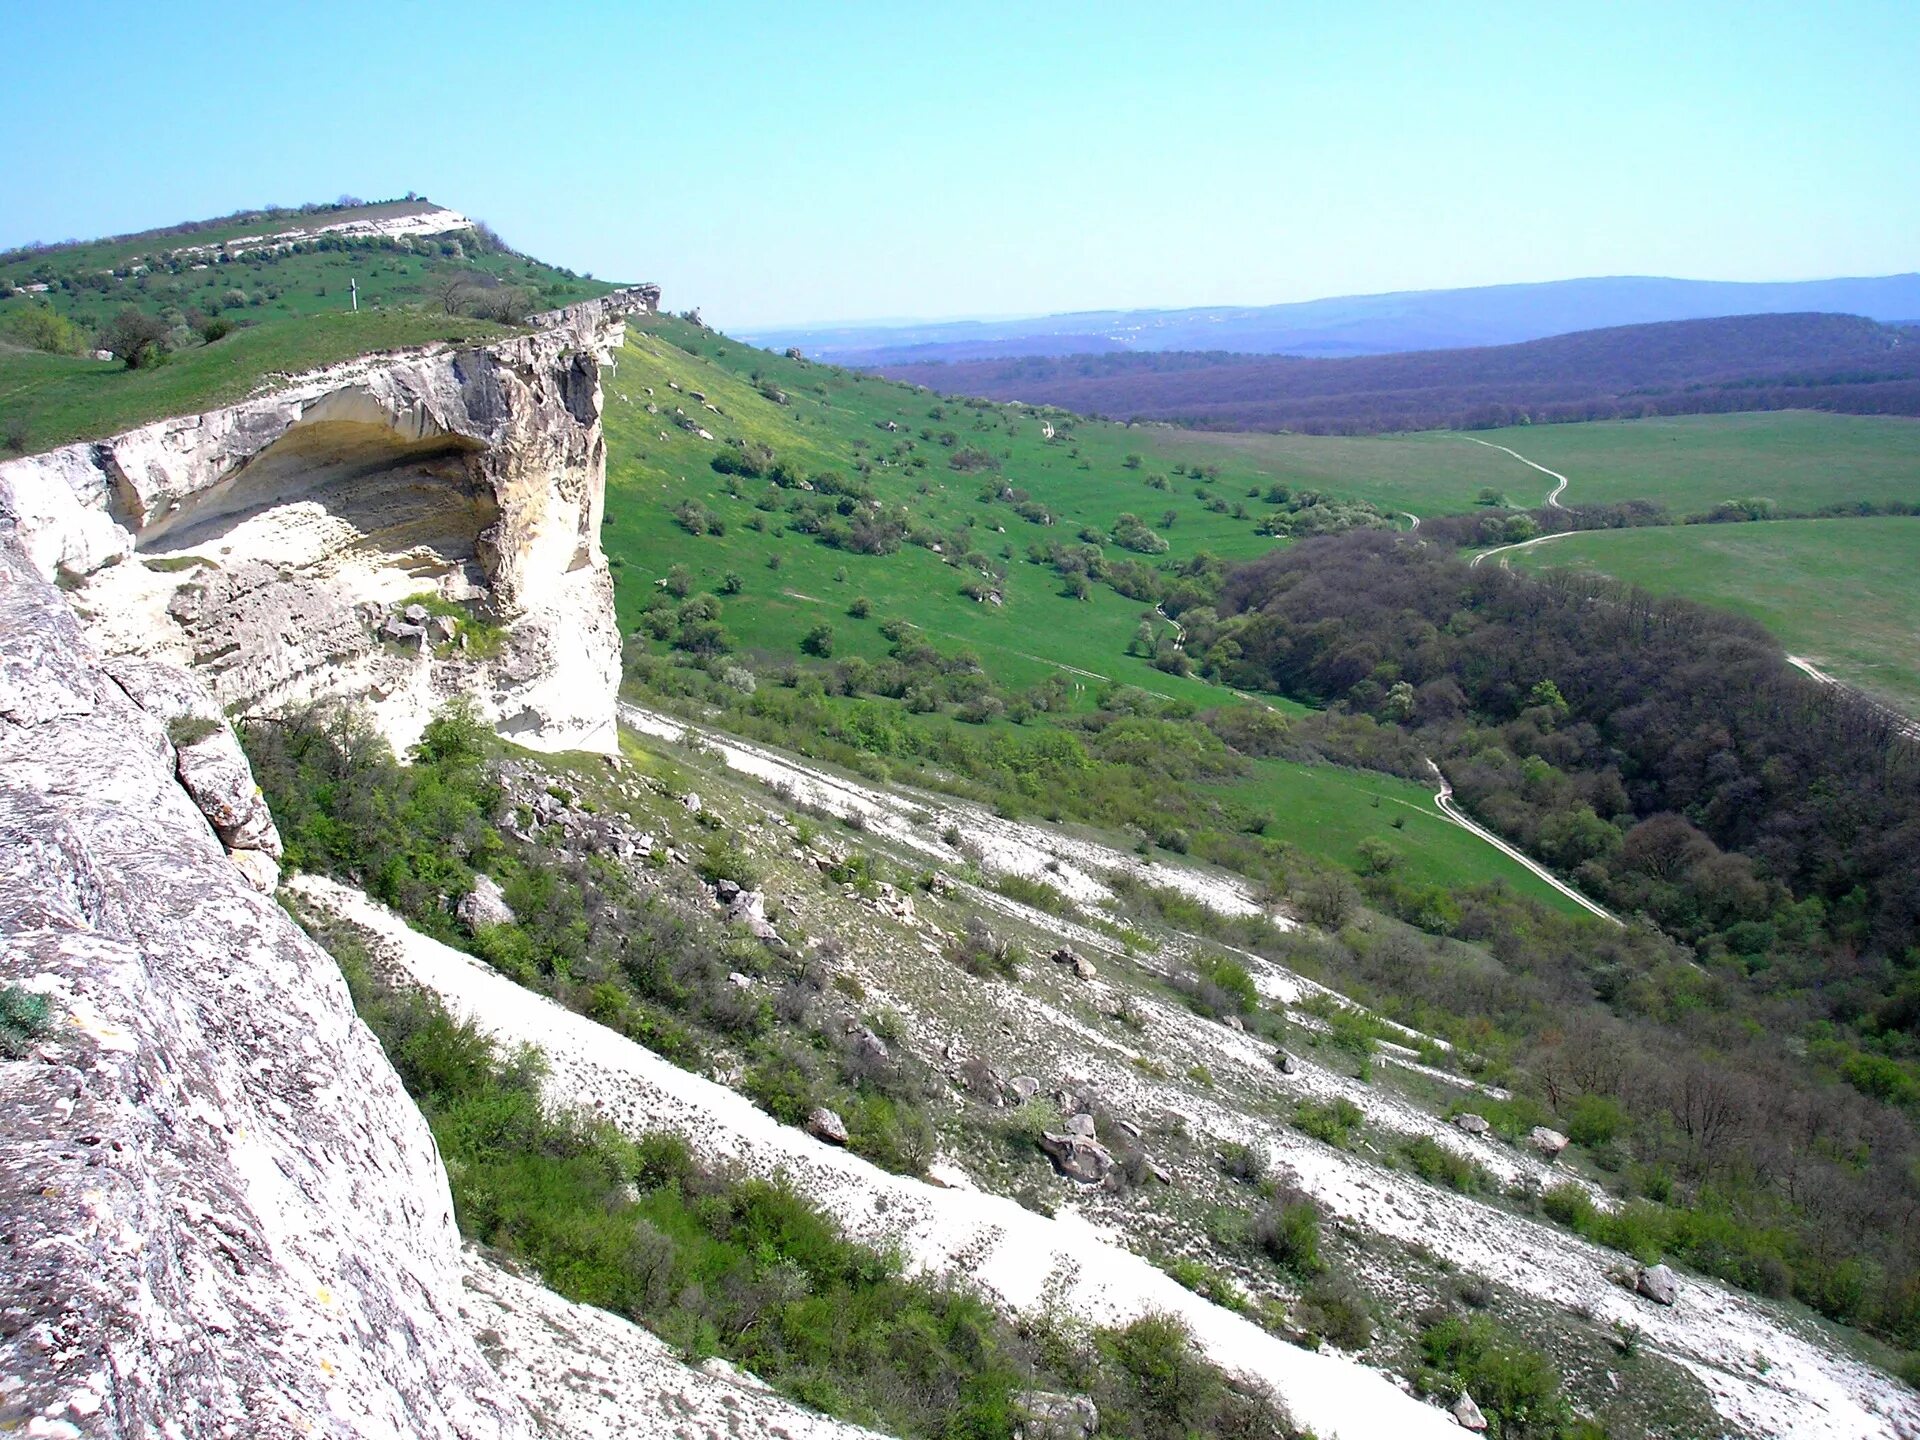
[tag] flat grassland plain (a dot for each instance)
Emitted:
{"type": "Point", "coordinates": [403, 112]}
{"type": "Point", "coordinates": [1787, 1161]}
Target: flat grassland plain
{"type": "Point", "coordinates": [1801, 460]}
{"type": "Point", "coordinates": [817, 419]}
{"type": "Point", "coordinates": [1844, 593]}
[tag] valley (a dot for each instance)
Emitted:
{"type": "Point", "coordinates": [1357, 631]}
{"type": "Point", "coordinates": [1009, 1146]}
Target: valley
{"type": "Point", "coordinates": [917, 915]}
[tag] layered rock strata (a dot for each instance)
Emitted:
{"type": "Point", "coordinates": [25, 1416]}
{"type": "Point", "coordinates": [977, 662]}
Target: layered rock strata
{"type": "Point", "coordinates": [223, 1214]}
{"type": "Point", "coordinates": [269, 544]}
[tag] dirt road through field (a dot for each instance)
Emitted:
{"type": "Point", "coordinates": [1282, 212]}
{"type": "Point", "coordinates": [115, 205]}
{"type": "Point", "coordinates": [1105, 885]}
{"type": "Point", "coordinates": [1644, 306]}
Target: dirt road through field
{"type": "Point", "coordinates": [1444, 799]}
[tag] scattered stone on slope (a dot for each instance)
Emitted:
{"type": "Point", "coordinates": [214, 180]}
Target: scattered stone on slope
{"type": "Point", "coordinates": [1077, 1156]}
{"type": "Point", "coordinates": [823, 1124]}
{"type": "Point", "coordinates": [1548, 1142]}
{"type": "Point", "coordinates": [1049, 1415]}
{"type": "Point", "coordinates": [1472, 1124]}
{"type": "Point", "coordinates": [484, 905]}
{"type": "Point", "coordinates": [1658, 1283]}
{"type": "Point", "coordinates": [1467, 1414]}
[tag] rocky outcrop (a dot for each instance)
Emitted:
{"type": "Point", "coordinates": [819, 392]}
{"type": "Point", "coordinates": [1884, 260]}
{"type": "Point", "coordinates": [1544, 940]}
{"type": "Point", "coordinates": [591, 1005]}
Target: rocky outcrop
{"type": "Point", "coordinates": [224, 1216]}
{"type": "Point", "coordinates": [266, 544]}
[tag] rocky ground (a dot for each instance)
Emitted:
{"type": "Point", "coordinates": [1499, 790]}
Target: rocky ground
{"type": "Point", "coordinates": [1140, 1098]}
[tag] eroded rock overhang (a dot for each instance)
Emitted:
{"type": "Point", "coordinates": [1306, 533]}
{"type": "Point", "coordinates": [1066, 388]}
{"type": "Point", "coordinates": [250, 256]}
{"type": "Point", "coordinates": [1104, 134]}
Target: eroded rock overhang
{"type": "Point", "coordinates": [394, 530]}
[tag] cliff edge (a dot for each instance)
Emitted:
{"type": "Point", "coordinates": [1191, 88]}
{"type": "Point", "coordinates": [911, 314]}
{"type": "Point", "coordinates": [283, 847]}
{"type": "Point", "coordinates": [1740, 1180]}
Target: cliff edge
{"type": "Point", "coordinates": [397, 529]}
{"type": "Point", "coordinates": [224, 1215]}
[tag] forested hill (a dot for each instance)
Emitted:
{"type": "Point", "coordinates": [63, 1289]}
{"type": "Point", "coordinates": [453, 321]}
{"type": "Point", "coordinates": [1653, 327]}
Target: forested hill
{"type": "Point", "coordinates": [1749, 362]}
{"type": "Point", "coordinates": [1358, 324]}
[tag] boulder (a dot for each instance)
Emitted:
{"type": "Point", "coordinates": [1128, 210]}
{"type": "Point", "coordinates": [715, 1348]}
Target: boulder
{"type": "Point", "coordinates": [1467, 1415]}
{"type": "Point", "coordinates": [1082, 1125]}
{"type": "Point", "coordinates": [1065, 955]}
{"type": "Point", "coordinates": [415, 614]}
{"type": "Point", "coordinates": [484, 905]}
{"type": "Point", "coordinates": [1548, 1142]}
{"type": "Point", "coordinates": [1472, 1124]}
{"type": "Point", "coordinates": [1077, 1157]}
{"type": "Point", "coordinates": [1288, 1065]}
{"type": "Point", "coordinates": [1659, 1284]}
{"type": "Point", "coordinates": [692, 802]}
{"type": "Point", "coordinates": [823, 1124]}
{"type": "Point", "coordinates": [1050, 1415]}
{"type": "Point", "coordinates": [262, 873]}
{"type": "Point", "coordinates": [1024, 1087]}
{"type": "Point", "coordinates": [1082, 968]}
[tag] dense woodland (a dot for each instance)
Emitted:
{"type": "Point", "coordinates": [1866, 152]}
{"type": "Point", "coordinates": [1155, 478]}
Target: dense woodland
{"type": "Point", "coordinates": [1748, 362]}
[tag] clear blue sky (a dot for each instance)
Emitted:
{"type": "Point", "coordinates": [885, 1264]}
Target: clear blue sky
{"type": "Point", "coordinates": [782, 162]}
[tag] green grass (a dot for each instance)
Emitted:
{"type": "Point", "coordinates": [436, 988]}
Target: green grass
{"type": "Point", "coordinates": [1801, 460]}
{"type": "Point", "coordinates": [1840, 592]}
{"type": "Point", "coordinates": [832, 422]}
{"type": "Point", "coordinates": [835, 420]}
{"type": "Point", "coordinates": [1326, 811]}
{"type": "Point", "coordinates": [60, 399]}
{"type": "Point", "coordinates": [275, 286]}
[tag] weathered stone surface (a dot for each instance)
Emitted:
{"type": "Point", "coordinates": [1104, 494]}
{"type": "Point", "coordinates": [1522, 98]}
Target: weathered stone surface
{"type": "Point", "coordinates": [224, 1216]}
{"type": "Point", "coordinates": [484, 905]}
{"type": "Point", "coordinates": [248, 537]}
{"type": "Point", "coordinates": [1049, 1415]}
{"type": "Point", "coordinates": [1082, 1125]}
{"type": "Point", "coordinates": [1548, 1142]}
{"type": "Point", "coordinates": [1659, 1284]}
{"type": "Point", "coordinates": [1077, 1157]}
{"type": "Point", "coordinates": [1467, 1415]}
{"type": "Point", "coordinates": [823, 1124]}
{"type": "Point", "coordinates": [1472, 1124]}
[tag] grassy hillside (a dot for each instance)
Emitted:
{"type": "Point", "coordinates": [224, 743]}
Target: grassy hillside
{"type": "Point", "coordinates": [1839, 592]}
{"type": "Point", "coordinates": [773, 585]}
{"type": "Point", "coordinates": [224, 322]}
{"type": "Point", "coordinates": [1801, 460]}
{"type": "Point", "coordinates": [52, 400]}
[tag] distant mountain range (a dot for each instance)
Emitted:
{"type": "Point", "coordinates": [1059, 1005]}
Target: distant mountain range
{"type": "Point", "coordinates": [1357, 324]}
{"type": "Point", "coordinates": [1749, 362]}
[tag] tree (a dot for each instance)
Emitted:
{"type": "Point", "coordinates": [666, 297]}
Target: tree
{"type": "Point", "coordinates": [818, 641]}
{"type": "Point", "coordinates": [453, 290]}
{"type": "Point", "coordinates": [137, 338]}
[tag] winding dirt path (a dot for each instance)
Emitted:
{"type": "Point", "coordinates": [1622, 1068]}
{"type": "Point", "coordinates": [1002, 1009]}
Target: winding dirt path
{"type": "Point", "coordinates": [1905, 724]}
{"type": "Point", "coordinates": [1553, 498]}
{"type": "Point", "coordinates": [1517, 545]}
{"type": "Point", "coordinates": [1444, 799]}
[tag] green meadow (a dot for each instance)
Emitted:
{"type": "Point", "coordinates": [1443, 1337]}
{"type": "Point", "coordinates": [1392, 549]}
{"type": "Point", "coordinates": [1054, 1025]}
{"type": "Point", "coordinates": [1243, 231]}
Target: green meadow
{"type": "Point", "coordinates": [1844, 593]}
{"type": "Point", "coordinates": [1801, 460]}
{"type": "Point", "coordinates": [785, 583]}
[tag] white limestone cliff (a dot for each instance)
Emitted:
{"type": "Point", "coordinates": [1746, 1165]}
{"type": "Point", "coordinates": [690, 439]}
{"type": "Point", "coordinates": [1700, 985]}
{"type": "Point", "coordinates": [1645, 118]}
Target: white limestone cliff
{"type": "Point", "coordinates": [270, 544]}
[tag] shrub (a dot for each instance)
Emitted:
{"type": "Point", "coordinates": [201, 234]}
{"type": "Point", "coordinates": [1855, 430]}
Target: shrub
{"type": "Point", "coordinates": [138, 339]}
{"type": "Point", "coordinates": [1242, 1162]}
{"type": "Point", "coordinates": [1513, 1384]}
{"type": "Point", "coordinates": [23, 1019]}
{"type": "Point", "coordinates": [1288, 1233]}
{"type": "Point", "coordinates": [40, 327]}
{"type": "Point", "coordinates": [1433, 1162]}
{"type": "Point", "coordinates": [1333, 1309]}
{"type": "Point", "coordinates": [1334, 1121]}
{"type": "Point", "coordinates": [818, 641]}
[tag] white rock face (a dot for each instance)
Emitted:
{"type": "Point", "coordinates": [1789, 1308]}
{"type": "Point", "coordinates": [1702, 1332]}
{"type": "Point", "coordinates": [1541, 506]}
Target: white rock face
{"type": "Point", "coordinates": [260, 543]}
{"type": "Point", "coordinates": [224, 1215]}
